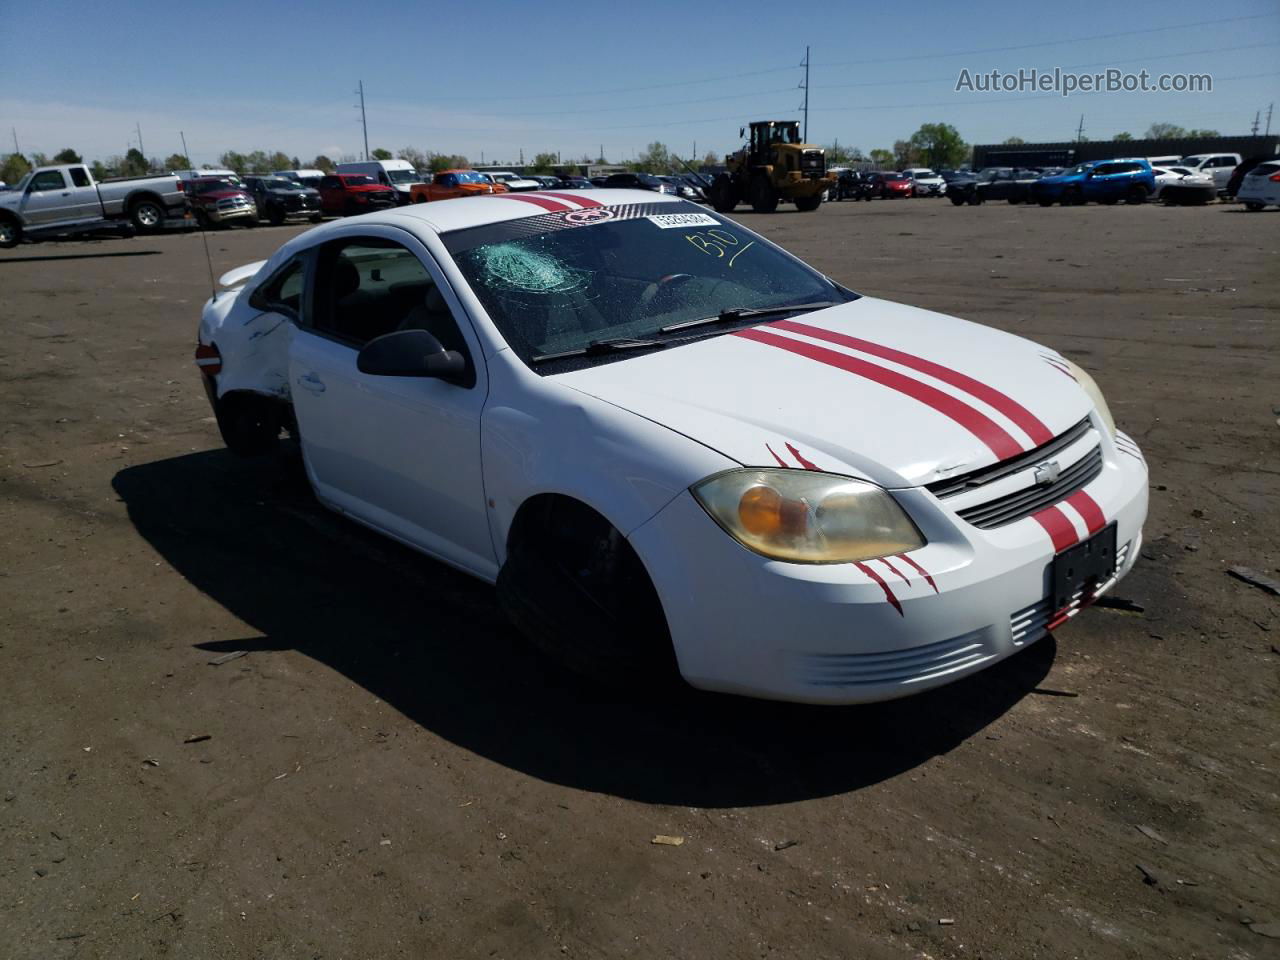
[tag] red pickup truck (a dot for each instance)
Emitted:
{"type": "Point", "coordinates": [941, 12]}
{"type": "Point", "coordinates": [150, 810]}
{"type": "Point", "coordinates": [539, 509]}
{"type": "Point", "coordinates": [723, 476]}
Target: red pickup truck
{"type": "Point", "coordinates": [347, 194]}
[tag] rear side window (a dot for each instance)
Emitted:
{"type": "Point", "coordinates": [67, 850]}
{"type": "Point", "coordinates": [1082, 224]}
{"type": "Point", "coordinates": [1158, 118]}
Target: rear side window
{"type": "Point", "coordinates": [1265, 170]}
{"type": "Point", "coordinates": [80, 176]}
{"type": "Point", "coordinates": [330, 182]}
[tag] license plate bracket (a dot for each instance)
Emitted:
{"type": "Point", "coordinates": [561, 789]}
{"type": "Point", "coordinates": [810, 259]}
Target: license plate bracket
{"type": "Point", "coordinates": [1085, 566]}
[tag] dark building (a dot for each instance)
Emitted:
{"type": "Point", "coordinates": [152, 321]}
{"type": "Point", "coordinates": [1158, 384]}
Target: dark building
{"type": "Point", "coordinates": [1067, 153]}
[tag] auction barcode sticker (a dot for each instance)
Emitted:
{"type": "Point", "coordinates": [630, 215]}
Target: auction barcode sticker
{"type": "Point", "coordinates": [679, 221]}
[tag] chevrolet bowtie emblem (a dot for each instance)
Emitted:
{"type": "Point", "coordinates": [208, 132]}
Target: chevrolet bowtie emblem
{"type": "Point", "coordinates": [1047, 472]}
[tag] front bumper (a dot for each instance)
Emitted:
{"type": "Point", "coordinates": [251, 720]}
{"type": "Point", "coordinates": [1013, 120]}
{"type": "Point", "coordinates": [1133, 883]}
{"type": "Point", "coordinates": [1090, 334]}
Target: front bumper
{"type": "Point", "coordinates": [741, 623]}
{"type": "Point", "coordinates": [231, 213]}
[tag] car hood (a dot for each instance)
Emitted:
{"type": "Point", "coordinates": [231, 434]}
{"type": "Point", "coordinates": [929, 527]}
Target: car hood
{"type": "Point", "coordinates": [894, 394]}
{"type": "Point", "coordinates": [221, 194]}
{"type": "Point", "coordinates": [1062, 178]}
{"type": "Point", "coordinates": [294, 193]}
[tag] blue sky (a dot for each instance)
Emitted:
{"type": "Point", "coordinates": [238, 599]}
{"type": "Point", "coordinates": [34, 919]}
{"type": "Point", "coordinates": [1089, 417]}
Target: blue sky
{"type": "Point", "coordinates": [495, 78]}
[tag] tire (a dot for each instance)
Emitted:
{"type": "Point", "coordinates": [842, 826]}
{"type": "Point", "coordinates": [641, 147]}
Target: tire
{"type": "Point", "coordinates": [724, 194]}
{"type": "Point", "coordinates": [1136, 194]}
{"type": "Point", "coordinates": [1015, 200]}
{"type": "Point", "coordinates": [250, 424]}
{"type": "Point", "coordinates": [808, 204]}
{"type": "Point", "coordinates": [202, 218]}
{"type": "Point", "coordinates": [975, 199]}
{"type": "Point", "coordinates": [1045, 203]}
{"type": "Point", "coordinates": [576, 588]}
{"type": "Point", "coordinates": [764, 199]}
{"type": "Point", "coordinates": [316, 217]}
{"type": "Point", "coordinates": [958, 200]}
{"type": "Point", "coordinates": [1253, 206]}
{"type": "Point", "coordinates": [1109, 201]}
{"type": "Point", "coordinates": [10, 233]}
{"type": "Point", "coordinates": [275, 216]}
{"type": "Point", "coordinates": [146, 214]}
{"type": "Point", "coordinates": [1072, 198]}
{"type": "Point", "coordinates": [420, 198]}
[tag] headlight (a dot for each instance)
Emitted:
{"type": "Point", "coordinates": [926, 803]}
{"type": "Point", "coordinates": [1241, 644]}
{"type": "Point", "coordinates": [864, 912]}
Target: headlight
{"type": "Point", "coordinates": [1091, 388]}
{"type": "Point", "coordinates": [807, 517]}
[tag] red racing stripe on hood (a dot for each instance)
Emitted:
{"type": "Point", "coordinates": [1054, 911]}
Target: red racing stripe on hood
{"type": "Point", "coordinates": [977, 423]}
{"type": "Point", "coordinates": [555, 206]}
{"type": "Point", "coordinates": [1024, 418]}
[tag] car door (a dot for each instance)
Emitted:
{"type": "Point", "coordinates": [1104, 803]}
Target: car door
{"type": "Point", "coordinates": [84, 201]}
{"type": "Point", "coordinates": [48, 200]}
{"type": "Point", "coordinates": [330, 194]}
{"type": "Point", "coordinates": [1099, 183]}
{"type": "Point", "coordinates": [401, 454]}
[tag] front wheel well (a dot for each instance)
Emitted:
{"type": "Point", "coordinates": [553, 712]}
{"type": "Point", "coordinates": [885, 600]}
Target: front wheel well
{"type": "Point", "coordinates": [575, 586]}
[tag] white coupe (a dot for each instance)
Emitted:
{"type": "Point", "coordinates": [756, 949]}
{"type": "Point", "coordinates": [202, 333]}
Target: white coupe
{"type": "Point", "coordinates": [673, 446]}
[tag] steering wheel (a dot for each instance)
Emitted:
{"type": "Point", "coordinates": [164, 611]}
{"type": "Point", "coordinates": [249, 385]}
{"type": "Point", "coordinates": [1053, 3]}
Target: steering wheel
{"type": "Point", "coordinates": [659, 293]}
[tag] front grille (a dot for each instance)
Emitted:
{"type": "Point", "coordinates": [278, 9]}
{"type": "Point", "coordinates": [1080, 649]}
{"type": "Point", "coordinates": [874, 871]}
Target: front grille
{"type": "Point", "coordinates": [978, 478]}
{"type": "Point", "coordinates": [1023, 503]}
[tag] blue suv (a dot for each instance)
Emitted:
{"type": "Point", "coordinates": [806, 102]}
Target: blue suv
{"type": "Point", "coordinates": [1105, 181]}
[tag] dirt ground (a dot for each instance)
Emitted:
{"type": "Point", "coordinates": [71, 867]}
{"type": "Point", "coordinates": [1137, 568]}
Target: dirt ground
{"type": "Point", "coordinates": [391, 772]}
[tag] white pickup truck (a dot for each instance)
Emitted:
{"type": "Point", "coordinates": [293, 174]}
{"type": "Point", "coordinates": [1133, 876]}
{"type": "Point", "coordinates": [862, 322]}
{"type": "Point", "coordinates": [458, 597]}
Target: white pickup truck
{"type": "Point", "coordinates": [65, 199]}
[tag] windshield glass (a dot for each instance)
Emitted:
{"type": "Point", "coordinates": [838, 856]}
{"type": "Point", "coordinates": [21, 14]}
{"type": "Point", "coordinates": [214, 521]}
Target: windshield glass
{"type": "Point", "coordinates": [280, 183]}
{"type": "Point", "coordinates": [470, 176]}
{"type": "Point", "coordinates": [213, 186]}
{"type": "Point", "coordinates": [402, 176]}
{"type": "Point", "coordinates": [557, 282]}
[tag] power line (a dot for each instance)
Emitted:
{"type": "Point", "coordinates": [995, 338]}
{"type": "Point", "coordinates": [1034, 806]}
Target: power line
{"type": "Point", "coordinates": [1050, 43]}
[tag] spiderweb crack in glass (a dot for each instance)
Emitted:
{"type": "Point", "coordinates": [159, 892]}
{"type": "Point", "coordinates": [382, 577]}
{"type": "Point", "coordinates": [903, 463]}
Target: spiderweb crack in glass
{"type": "Point", "coordinates": [513, 268]}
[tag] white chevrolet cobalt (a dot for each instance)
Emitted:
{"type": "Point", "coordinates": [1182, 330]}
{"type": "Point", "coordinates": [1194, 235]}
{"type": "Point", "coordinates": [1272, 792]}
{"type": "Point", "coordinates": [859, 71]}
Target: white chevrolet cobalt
{"type": "Point", "coordinates": [673, 446]}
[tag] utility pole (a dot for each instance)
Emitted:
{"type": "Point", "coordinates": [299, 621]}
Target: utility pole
{"type": "Point", "coordinates": [1269, 108]}
{"type": "Point", "coordinates": [1080, 130]}
{"type": "Point", "coordinates": [364, 123]}
{"type": "Point", "coordinates": [15, 140]}
{"type": "Point", "coordinates": [806, 93]}
{"type": "Point", "coordinates": [1257, 119]}
{"type": "Point", "coordinates": [137, 126]}
{"type": "Point", "coordinates": [184, 146]}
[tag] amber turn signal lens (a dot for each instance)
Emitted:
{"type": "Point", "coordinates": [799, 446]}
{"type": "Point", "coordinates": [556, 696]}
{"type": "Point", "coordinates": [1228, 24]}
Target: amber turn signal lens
{"type": "Point", "coordinates": [760, 511]}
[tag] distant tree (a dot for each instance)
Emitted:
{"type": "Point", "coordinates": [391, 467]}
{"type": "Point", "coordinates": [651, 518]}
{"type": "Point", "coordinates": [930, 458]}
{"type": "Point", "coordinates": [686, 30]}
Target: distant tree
{"type": "Point", "coordinates": [39, 159]}
{"type": "Point", "coordinates": [258, 162]}
{"type": "Point", "coordinates": [14, 168]}
{"type": "Point", "coordinates": [1165, 131]}
{"type": "Point", "coordinates": [544, 162]}
{"type": "Point", "coordinates": [100, 171]}
{"type": "Point", "coordinates": [414, 156]}
{"type": "Point", "coordinates": [67, 156]}
{"type": "Point", "coordinates": [295, 163]}
{"type": "Point", "coordinates": [447, 161]}
{"type": "Point", "coordinates": [1123, 136]}
{"type": "Point", "coordinates": [655, 158]}
{"type": "Point", "coordinates": [1014, 141]}
{"type": "Point", "coordinates": [381, 153]}
{"type": "Point", "coordinates": [939, 145]}
{"type": "Point", "coordinates": [280, 161]}
{"type": "Point", "coordinates": [711, 159]}
{"type": "Point", "coordinates": [881, 157]}
{"type": "Point", "coordinates": [176, 161]}
{"type": "Point", "coordinates": [903, 154]}
{"type": "Point", "coordinates": [1203, 133]}
{"type": "Point", "coordinates": [135, 164]}
{"type": "Point", "coordinates": [234, 161]}
{"type": "Point", "coordinates": [321, 162]}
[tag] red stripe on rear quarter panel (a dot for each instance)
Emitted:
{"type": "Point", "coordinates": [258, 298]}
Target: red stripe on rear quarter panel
{"type": "Point", "coordinates": [555, 206]}
{"type": "Point", "coordinates": [1088, 508]}
{"type": "Point", "coordinates": [572, 198]}
{"type": "Point", "coordinates": [1060, 530]}
{"type": "Point", "coordinates": [1015, 411]}
{"type": "Point", "coordinates": [977, 423]}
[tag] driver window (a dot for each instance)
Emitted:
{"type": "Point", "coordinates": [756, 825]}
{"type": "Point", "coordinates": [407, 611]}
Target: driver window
{"type": "Point", "coordinates": [367, 287]}
{"type": "Point", "coordinates": [48, 180]}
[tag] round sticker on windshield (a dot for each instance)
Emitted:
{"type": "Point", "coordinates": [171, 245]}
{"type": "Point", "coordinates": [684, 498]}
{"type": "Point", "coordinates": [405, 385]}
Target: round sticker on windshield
{"type": "Point", "coordinates": [588, 216]}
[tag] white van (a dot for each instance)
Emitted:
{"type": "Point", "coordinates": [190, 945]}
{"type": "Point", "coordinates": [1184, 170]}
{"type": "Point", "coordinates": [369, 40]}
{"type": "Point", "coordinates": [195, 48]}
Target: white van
{"type": "Point", "coordinates": [399, 175]}
{"type": "Point", "coordinates": [308, 178]}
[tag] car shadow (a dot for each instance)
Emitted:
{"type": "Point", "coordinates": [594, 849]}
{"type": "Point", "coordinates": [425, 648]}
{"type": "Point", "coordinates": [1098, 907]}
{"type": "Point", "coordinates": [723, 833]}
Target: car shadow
{"type": "Point", "coordinates": [432, 643]}
{"type": "Point", "coordinates": [81, 256]}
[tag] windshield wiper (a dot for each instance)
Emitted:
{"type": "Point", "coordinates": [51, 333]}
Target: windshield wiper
{"type": "Point", "coordinates": [598, 348]}
{"type": "Point", "coordinates": [744, 313]}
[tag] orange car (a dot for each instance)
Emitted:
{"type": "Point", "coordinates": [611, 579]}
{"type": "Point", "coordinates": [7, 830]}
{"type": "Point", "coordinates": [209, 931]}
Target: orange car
{"type": "Point", "coordinates": [454, 183]}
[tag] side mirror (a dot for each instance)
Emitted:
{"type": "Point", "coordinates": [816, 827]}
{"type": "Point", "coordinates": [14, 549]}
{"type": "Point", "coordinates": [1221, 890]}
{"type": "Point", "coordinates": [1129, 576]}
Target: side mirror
{"type": "Point", "coordinates": [411, 353]}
